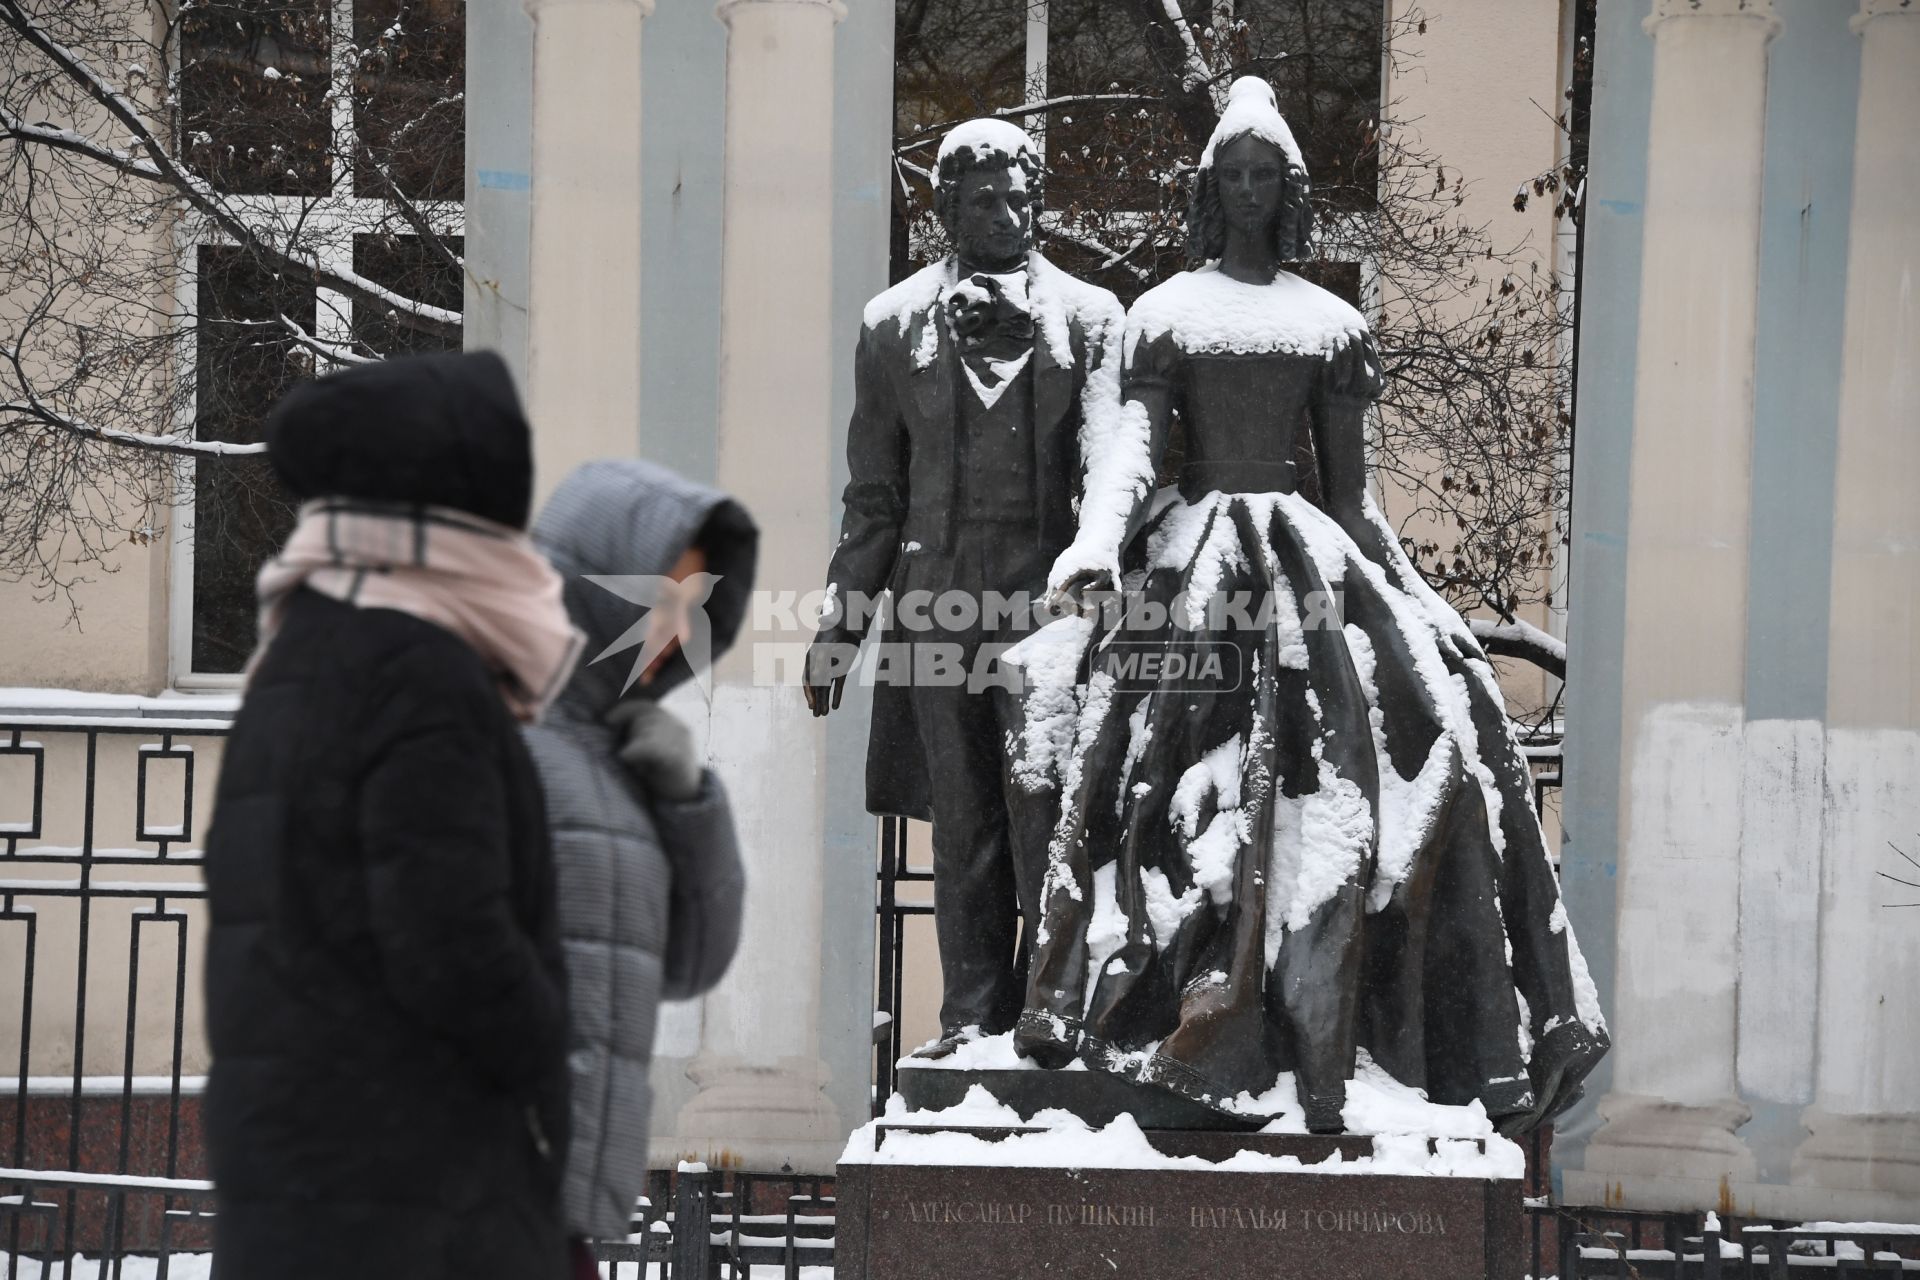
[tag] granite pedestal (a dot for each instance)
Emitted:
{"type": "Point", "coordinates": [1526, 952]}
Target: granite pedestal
{"type": "Point", "coordinates": [985, 1222]}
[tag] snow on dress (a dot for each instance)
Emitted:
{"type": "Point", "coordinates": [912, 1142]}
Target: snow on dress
{"type": "Point", "coordinates": [1332, 848]}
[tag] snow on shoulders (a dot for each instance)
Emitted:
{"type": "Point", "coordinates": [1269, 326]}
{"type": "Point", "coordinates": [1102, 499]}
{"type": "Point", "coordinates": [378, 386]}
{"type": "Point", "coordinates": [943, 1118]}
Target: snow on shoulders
{"type": "Point", "coordinates": [1209, 312]}
{"type": "Point", "coordinates": [1059, 298]}
{"type": "Point", "coordinates": [1086, 301]}
{"type": "Point", "coordinates": [917, 292]}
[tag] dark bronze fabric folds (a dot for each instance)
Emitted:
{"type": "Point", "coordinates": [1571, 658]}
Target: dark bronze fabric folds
{"type": "Point", "coordinates": [1330, 848]}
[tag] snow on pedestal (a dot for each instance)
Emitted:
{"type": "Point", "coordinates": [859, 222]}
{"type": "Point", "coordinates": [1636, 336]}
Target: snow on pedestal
{"type": "Point", "coordinates": [1410, 1135]}
{"type": "Point", "coordinates": [975, 1190]}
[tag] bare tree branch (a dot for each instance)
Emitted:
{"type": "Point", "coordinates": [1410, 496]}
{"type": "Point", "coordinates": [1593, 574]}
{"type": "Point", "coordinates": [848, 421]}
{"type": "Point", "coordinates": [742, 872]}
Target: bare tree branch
{"type": "Point", "coordinates": [180, 242]}
{"type": "Point", "coordinates": [201, 194]}
{"type": "Point", "coordinates": [932, 133]}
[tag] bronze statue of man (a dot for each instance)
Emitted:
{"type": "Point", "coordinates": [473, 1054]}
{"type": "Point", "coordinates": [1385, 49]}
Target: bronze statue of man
{"type": "Point", "coordinates": [974, 381]}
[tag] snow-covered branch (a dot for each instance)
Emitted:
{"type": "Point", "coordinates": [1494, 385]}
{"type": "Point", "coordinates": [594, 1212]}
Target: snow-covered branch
{"type": "Point", "coordinates": [181, 228]}
{"type": "Point", "coordinates": [78, 144]}
{"type": "Point", "coordinates": [1111, 257]}
{"type": "Point", "coordinates": [1521, 639]}
{"type": "Point", "coordinates": [35, 412]}
{"type": "Point", "coordinates": [334, 352]}
{"type": "Point", "coordinates": [196, 190]}
{"type": "Point", "coordinates": [1196, 74]}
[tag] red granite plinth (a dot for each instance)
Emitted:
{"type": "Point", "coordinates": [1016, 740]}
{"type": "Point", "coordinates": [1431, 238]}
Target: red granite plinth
{"type": "Point", "coordinates": [102, 1133]}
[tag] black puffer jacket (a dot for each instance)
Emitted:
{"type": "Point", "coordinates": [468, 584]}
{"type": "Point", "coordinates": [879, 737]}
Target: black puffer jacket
{"type": "Point", "coordinates": [385, 994]}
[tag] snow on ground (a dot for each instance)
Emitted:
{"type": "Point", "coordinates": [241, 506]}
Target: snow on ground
{"type": "Point", "coordinates": [182, 1266]}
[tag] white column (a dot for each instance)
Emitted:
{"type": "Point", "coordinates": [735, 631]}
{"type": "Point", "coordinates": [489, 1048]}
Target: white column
{"type": "Point", "coordinates": [1673, 1107]}
{"type": "Point", "coordinates": [583, 375]}
{"type": "Point", "coordinates": [759, 1071]}
{"type": "Point", "coordinates": [1865, 1124]}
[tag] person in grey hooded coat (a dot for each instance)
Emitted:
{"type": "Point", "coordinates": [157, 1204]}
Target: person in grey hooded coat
{"type": "Point", "coordinates": [650, 882]}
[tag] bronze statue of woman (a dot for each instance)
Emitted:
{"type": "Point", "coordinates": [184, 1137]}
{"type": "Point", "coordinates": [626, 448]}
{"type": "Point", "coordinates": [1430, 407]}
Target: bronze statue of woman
{"type": "Point", "coordinates": [1326, 854]}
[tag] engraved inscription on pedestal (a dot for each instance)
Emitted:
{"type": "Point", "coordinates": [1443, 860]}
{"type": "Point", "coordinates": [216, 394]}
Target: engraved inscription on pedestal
{"type": "Point", "coordinates": [904, 1222]}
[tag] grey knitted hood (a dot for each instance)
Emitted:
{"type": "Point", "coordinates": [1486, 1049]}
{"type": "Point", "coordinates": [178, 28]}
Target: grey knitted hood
{"type": "Point", "coordinates": [623, 518]}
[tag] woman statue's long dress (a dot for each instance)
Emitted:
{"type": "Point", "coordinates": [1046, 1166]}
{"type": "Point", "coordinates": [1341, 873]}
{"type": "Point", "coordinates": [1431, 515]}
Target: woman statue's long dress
{"type": "Point", "coordinates": [1333, 848]}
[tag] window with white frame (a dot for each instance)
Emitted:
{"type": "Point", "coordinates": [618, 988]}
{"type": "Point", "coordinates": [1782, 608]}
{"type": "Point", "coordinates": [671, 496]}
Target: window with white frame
{"type": "Point", "coordinates": [329, 132]}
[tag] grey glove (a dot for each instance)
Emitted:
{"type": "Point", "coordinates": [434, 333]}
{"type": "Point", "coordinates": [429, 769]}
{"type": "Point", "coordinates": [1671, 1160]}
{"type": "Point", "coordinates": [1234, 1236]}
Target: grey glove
{"type": "Point", "coordinates": [658, 748]}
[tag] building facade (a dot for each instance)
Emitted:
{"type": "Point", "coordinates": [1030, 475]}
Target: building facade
{"type": "Point", "coordinates": [1742, 788]}
{"type": "Point", "coordinates": [670, 217]}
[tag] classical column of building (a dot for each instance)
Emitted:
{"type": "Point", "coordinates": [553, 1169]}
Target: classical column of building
{"type": "Point", "coordinates": [499, 182]}
{"type": "Point", "coordinates": [759, 1072]}
{"type": "Point", "coordinates": [583, 357]}
{"type": "Point", "coordinates": [1673, 1108]}
{"type": "Point", "coordinates": [1865, 1122]}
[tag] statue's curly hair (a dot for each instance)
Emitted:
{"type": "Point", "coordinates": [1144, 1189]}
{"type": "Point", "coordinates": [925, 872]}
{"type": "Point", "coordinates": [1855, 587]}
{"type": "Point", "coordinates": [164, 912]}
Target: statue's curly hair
{"type": "Point", "coordinates": [1207, 222]}
{"type": "Point", "coordinates": [958, 163]}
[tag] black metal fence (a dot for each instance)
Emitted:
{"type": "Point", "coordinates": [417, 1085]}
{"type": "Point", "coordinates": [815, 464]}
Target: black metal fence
{"type": "Point", "coordinates": [723, 1226]}
{"type": "Point", "coordinates": [101, 901]}
{"type": "Point", "coordinates": [1595, 1244]}
{"type": "Point", "coordinates": [695, 1222]}
{"type": "Point", "coordinates": [692, 1223]}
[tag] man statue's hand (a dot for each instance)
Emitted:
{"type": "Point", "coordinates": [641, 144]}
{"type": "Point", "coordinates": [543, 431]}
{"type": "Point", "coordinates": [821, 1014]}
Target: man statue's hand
{"type": "Point", "coordinates": [1071, 595]}
{"type": "Point", "coordinates": [826, 676]}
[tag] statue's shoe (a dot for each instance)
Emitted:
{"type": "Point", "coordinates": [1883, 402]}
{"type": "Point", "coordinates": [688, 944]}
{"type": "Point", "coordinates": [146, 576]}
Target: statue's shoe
{"type": "Point", "coordinates": [1046, 1040]}
{"type": "Point", "coordinates": [1324, 1113]}
{"type": "Point", "coordinates": [947, 1045]}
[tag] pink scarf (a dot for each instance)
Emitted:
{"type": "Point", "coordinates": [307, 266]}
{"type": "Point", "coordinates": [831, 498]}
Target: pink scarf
{"type": "Point", "coordinates": [480, 580]}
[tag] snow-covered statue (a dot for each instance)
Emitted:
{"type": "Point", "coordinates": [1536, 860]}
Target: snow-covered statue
{"type": "Point", "coordinates": [964, 453]}
{"type": "Point", "coordinates": [1323, 849]}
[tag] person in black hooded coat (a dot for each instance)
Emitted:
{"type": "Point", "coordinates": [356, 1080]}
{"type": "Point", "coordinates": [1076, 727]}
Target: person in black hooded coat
{"type": "Point", "coordinates": [385, 988]}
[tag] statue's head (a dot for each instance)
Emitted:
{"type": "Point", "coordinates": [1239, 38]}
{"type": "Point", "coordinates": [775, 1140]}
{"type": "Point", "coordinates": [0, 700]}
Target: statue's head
{"type": "Point", "coordinates": [988, 193]}
{"type": "Point", "coordinates": [1251, 180]}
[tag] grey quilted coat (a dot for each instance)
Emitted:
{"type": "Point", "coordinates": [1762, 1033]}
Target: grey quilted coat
{"type": "Point", "coordinates": [650, 888]}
